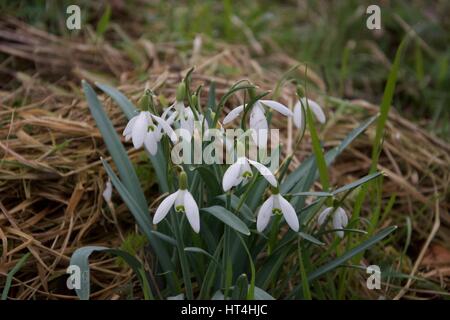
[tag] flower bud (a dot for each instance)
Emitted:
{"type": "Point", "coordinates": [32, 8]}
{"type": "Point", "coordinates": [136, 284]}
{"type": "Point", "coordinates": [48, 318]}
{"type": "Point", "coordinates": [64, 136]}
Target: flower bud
{"type": "Point", "coordinates": [300, 91]}
{"type": "Point", "coordinates": [194, 100]}
{"type": "Point", "coordinates": [144, 102]}
{"type": "Point", "coordinates": [181, 91]}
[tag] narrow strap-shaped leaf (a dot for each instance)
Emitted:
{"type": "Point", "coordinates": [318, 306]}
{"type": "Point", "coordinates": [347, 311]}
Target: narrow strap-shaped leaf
{"type": "Point", "coordinates": [127, 107]}
{"type": "Point", "coordinates": [244, 209]}
{"type": "Point", "coordinates": [228, 218]}
{"type": "Point", "coordinates": [201, 251]}
{"type": "Point", "coordinates": [80, 258]}
{"type": "Point", "coordinates": [115, 147]}
{"type": "Point", "coordinates": [357, 183]}
{"type": "Point", "coordinates": [143, 220]}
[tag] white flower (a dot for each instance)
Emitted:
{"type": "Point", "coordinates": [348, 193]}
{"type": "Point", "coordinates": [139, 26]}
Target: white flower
{"type": "Point", "coordinates": [142, 131]}
{"type": "Point", "coordinates": [340, 219]}
{"type": "Point", "coordinates": [241, 171]}
{"type": "Point", "coordinates": [258, 121]}
{"type": "Point", "coordinates": [182, 201]}
{"type": "Point", "coordinates": [276, 204]}
{"type": "Point", "coordinates": [184, 118]}
{"type": "Point", "coordinates": [299, 116]}
{"type": "Point", "coordinates": [107, 193]}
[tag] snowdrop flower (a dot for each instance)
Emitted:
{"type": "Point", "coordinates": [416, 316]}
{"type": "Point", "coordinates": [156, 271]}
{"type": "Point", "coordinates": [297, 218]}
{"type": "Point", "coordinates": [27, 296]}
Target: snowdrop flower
{"type": "Point", "coordinates": [258, 121]}
{"type": "Point", "coordinates": [276, 204]}
{"type": "Point", "coordinates": [183, 115]}
{"type": "Point", "coordinates": [300, 117]}
{"type": "Point", "coordinates": [340, 219]}
{"type": "Point", "coordinates": [241, 171]}
{"type": "Point", "coordinates": [169, 117]}
{"type": "Point", "coordinates": [182, 201]}
{"type": "Point", "coordinates": [107, 193]}
{"type": "Point", "coordinates": [142, 131]}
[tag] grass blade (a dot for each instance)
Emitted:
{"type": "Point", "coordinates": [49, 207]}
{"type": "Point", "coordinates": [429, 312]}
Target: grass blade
{"type": "Point", "coordinates": [11, 274]}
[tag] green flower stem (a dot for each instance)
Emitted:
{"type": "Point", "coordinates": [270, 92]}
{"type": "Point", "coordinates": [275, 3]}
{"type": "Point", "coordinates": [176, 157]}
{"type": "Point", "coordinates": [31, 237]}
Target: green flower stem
{"type": "Point", "coordinates": [273, 234]}
{"type": "Point", "coordinates": [226, 261]}
{"type": "Point", "coordinates": [182, 255]}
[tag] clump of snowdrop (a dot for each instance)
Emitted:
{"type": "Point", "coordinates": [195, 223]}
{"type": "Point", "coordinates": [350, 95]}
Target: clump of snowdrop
{"type": "Point", "coordinates": [340, 219]}
{"type": "Point", "coordinates": [227, 212]}
{"type": "Point", "coordinates": [276, 204]}
{"type": "Point", "coordinates": [183, 202]}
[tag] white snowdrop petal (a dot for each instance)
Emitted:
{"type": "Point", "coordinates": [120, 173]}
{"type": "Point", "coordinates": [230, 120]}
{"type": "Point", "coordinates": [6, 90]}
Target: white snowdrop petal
{"type": "Point", "coordinates": [150, 143]}
{"type": "Point", "coordinates": [289, 213]}
{"type": "Point", "coordinates": [264, 214]}
{"type": "Point", "coordinates": [316, 110]}
{"type": "Point", "coordinates": [258, 125]}
{"type": "Point", "coordinates": [191, 209]}
{"type": "Point", "coordinates": [231, 176]}
{"type": "Point", "coordinates": [339, 219]}
{"type": "Point", "coordinates": [265, 172]}
{"type": "Point", "coordinates": [168, 111]}
{"type": "Point", "coordinates": [164, 207]}
{"type": "Point", "coordinates": [233, 114]}
{"type": "Point", "coordinates": [167, 129]}
{"type": "Point", "coordinates": [344, 217]}
{"type": "Point", "coordinates": [324, 215]}
{"type": "Point", "coordinates": [139, 130]}
{"type": "Point", "coordinates": [107, 193]}
{"type": "Point", "coordinates": [278, 107]}
{"type": "Point", "coordinates": [130, 125]}
{"type": "Point", "coordinates": [299, 119]}
{"type": "Point", "coordinates": [170, 120]}
{"type": "Point", "coordinates": [187, 121]}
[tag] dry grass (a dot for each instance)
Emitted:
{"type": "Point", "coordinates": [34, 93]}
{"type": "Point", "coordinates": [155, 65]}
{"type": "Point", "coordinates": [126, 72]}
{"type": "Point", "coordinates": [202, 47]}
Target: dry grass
{"type": "Point", "coordinates": [51, 179]}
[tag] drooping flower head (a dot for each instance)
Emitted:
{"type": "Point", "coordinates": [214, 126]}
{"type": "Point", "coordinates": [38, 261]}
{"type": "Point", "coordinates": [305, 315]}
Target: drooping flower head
{"type": "Point", "coordinates": [240, 171]}
{"type": "Point", "coordinates": [340, 219]}
{"type": "Point", "coordinates": [299, 114]}
{"type": "Point", "coordinates": [146, 128]}
{"type": "Point", "coordinates": [183, 202]}
{"type": "Point", "coordinates": [276, 204]}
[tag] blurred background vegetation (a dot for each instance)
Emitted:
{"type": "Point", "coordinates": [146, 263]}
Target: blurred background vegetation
{"type": "Point", "coordinates": [330, 36]}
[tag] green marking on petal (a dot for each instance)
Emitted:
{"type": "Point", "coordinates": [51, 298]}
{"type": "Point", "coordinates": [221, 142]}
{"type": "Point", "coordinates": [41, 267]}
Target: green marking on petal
{"type": "Point", "coordinates": [179, 208]}
{"type": "Point", "coordinates": [247, 174]}
{"type": "Point", "coordinates": [277, 211]}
